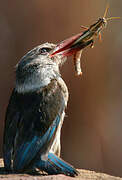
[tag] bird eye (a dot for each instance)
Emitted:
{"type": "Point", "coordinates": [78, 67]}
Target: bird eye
{"type": "Point", "coordinates": [44, 50]}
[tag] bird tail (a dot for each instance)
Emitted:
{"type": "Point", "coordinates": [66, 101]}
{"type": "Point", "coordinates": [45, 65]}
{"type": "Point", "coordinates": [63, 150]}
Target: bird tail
{"type": "Point", "coordinates": [55, 165]}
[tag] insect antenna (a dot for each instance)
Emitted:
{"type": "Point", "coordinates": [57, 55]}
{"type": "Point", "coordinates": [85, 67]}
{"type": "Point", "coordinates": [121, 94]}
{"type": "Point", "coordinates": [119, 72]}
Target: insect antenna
{"type": "Point", "coordinates": [106, 10]}
{"type": "Point", "coordinates": [110, 18]}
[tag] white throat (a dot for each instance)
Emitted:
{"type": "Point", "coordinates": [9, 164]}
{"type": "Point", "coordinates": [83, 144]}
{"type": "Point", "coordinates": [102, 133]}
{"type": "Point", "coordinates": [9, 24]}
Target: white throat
{"type": "Point", "coordinates": [36, 80]}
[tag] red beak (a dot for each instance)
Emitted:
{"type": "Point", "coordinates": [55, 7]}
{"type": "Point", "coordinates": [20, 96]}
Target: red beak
{"type": "Point", "coordinates": [70, 46]}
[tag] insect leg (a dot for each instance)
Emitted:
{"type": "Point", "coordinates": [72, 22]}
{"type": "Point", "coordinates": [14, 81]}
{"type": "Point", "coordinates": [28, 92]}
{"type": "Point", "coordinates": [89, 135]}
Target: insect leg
{"type": "Point", "coordinates": [92, 44]}
{"type": "Point", "coordinates": [100, 37]}
{"type": "Point", "coordinates": [84, 27]}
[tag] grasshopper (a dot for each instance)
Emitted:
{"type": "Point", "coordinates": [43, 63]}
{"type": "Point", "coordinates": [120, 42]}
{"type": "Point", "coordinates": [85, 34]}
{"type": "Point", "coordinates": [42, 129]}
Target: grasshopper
{"type": "Point", "coordinates": [75, 44]}
{"type": "Point", "coordinates": [89, 34]}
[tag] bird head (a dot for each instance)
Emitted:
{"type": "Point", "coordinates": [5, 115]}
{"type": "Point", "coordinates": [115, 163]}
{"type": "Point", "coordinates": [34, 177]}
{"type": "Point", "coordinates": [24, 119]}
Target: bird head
{"type": "Point", "coordinates": [36, 69]}
{"type": "Point", "coordinates": [40, 65]}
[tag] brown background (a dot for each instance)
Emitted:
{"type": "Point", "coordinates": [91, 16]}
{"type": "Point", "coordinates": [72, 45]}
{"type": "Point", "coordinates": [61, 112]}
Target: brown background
{"type": "Point", "coordinates": [92, 132]}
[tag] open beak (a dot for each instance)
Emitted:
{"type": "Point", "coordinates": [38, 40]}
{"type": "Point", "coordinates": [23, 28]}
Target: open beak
{"type": "Point", "coordinates": [70, 46]}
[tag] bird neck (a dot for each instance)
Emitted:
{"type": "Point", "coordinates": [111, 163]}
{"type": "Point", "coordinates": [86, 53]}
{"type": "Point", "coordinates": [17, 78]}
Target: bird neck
{"type": "Point", "coordinates": [32, 81]}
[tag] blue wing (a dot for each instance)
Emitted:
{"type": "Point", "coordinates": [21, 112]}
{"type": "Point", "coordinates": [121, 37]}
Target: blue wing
{"type": "Point", "coordinates": [10, 129]}
{"type": "Point", "coordinates": [38, 118]}
{"type": "Point", "coordinates": [38, 144]}
{"type": "Point", "coordinates": [55, 165]}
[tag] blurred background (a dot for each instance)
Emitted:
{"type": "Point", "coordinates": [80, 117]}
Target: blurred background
{"type": "Point", "coordinates": [92, 130]}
